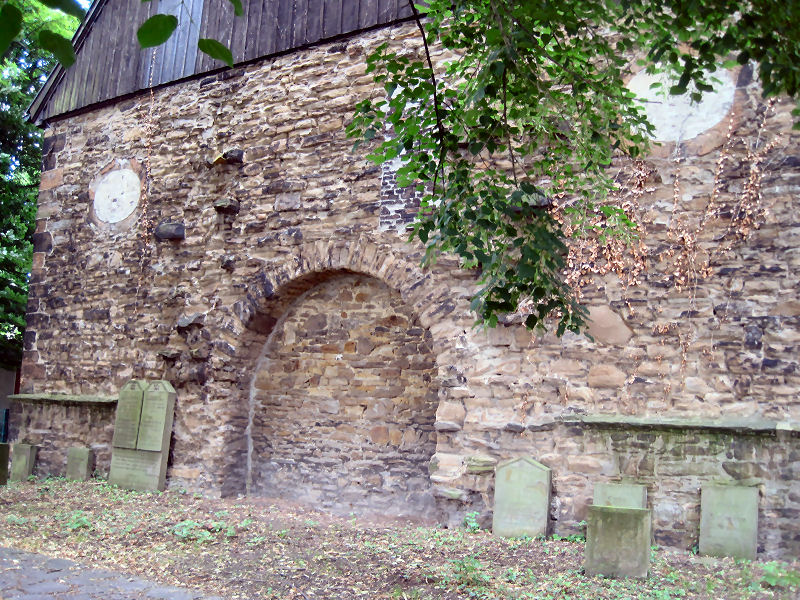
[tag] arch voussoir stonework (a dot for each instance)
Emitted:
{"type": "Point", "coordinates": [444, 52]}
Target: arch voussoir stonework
{"type": "Point", "coordinates": [271, 292]}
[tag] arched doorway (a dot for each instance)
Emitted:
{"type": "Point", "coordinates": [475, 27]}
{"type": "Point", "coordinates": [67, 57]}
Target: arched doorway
{"type": "Point", "coordinates": [343, 403]}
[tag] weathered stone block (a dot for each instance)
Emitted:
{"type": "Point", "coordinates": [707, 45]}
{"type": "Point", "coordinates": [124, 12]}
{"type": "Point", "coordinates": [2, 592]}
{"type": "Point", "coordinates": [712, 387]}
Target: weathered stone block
{"type": "Point", "coordinates": [606, 376]}
{"type": "Point", "coordinates": [22, 461]}
{"type": "Point", "coordinates": [480, 463]}
{"type": "Point", "coordinates": [606, 326]}
{"type": "Point", "coordinates": [729, 521]}
{"type": "Point", "coordinates": [168, 230]}
{"type": "Point", "coordinates": [79, 463]}
{"type": "Point", "coordinates": [521, 498]}
{"type": "Point", "coordinates": [622, 495]}
{"type": "Point", "coordinates": [617, 541]}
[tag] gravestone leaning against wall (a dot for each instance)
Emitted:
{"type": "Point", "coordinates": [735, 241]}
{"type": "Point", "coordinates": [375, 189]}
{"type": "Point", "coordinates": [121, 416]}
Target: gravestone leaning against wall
{"type": "Point", "coordinates": [521, 498]}
{"type": "Point", "coordinates": [142, 431]}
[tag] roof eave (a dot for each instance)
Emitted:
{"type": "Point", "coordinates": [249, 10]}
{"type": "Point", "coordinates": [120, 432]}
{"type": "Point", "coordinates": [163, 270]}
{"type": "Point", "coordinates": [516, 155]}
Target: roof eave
{"type": "Point", "coordinates": [38, 104]}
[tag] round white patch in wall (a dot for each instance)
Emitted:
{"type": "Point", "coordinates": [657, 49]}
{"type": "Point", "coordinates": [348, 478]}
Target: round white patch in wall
{"type": "Point", "coordinates": [116, 195]}
{"type": "Point", "coordinates": [679, 118]}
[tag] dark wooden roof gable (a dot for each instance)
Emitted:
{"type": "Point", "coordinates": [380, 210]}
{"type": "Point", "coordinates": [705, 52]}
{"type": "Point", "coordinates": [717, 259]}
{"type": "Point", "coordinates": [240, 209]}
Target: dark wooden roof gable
{"type": "Point", "coordinates": [110, 64]}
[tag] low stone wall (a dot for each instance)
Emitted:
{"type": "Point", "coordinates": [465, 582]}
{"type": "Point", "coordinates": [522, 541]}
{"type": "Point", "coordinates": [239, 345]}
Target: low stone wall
{"type": "Point", "coordinates": [55, 423]}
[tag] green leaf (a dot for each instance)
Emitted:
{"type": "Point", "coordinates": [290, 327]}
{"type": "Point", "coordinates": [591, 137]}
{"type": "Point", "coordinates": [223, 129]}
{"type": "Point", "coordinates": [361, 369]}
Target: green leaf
{"type": "Point", "coordinates": [60, 46]}
{"type": "Point", "coordinates": [70, 7]}
{"type": "Point", "coordinates": [216, 50]}
{"type": "Point", "coordinates": [237, 8]}
{"type": "Point", "coordinates": [10, 26]}
{"type": "Point", "coordinates": [156, 30]}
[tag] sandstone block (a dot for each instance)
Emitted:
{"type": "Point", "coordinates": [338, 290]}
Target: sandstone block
{"type": "Point", "coordinates": [450, 416]}
{"type": "Point", "coordinates": [51, 179]}
{"type": "Point", "coordinates": [606, 376]}
{"type": "Point", "coordinates": [607, 327]}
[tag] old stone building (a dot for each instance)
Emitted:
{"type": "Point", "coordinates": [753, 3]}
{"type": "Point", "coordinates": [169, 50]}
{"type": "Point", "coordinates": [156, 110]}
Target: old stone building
{"type": "Point", "coordinates": [214, 228]}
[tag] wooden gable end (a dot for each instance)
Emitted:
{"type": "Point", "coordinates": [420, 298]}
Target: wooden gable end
{"type": "Point", "coordinates": [110, 64]}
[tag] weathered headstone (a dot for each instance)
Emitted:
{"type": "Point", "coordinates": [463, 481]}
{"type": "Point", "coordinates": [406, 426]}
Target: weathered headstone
{"type": "Point", "coordinates": [617, 541]}
{"type": "Point", "coordinates": [3, 464]}
{"type": "Point", "coordinates": [79, 463]}
{"type": "Point", "coordinates": [729, 521]}
{"type": "Point", "coordinates": [521, 498]}
{"type": "Point", "coordinates": [129, 411]}
{"type": "Point", "coordinates": [23, 457]}
{"type": "Point", "coordinates": [623, 495]}
{"type": "Point", "coordinates": [139, 462]}
{"type": "Point", "coordinates": [157, 413]}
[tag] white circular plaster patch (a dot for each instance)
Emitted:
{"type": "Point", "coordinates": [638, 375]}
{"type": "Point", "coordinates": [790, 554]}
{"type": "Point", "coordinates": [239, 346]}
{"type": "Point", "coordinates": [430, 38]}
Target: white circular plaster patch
{"type": "Point", "coordinates": [116, 195]}
{"type": "Point", "coordinates": [679, 118]}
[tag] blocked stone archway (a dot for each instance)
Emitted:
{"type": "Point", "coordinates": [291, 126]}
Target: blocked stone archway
{"type": "Point", "coordinates": [343, 403]}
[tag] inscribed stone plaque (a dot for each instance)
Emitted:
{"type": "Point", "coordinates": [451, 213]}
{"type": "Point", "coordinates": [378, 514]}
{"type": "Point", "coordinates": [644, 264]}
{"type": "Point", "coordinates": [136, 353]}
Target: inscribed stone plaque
{"type": "Point", "coordinates": [623, 495]}
{"type": "Point", "coordinates": [617, 541]}
{"type": "Point", "coordinates": [137, 469]}
{"type": "Point", "coordinates": [521, 498]}
{"type": "Point", "coordinates": [155, 425]}
{"type": "Point", "coordinates": [3, 464]}
{"type": "Point", "coordinates": [129, 409]}
{"type": "Point", "coordinates": [729, 521]}
{"type": "Point", "coordinates": [79, 464]}
{"type": "Point", "coordinates": [22, 460]}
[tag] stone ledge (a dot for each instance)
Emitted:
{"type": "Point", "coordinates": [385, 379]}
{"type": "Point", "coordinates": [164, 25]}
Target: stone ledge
{"type": "Point", "coordinates": [52, 398]}
{"type": "Point", "coordinates": [740, 425]}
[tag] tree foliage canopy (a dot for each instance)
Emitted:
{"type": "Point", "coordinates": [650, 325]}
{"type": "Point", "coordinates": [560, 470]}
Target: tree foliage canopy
{"type": "Point", "coordinates": [527, 106]}
{"type": "Point", "coordinates": [25, 64]}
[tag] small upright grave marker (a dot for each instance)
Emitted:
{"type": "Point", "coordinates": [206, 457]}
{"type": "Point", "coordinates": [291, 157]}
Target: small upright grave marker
{"type": "Point", "coordinates": [139, 454]}
{"type": "Point", "coordinates": [22, 460]}
{"type": "Point", "coordinates": [521, 498]}
{"type": "Point", "coordinates": [3, 464]}
{"type": "Point", "coordinates": [79, 464]}
{"type": "Point", "coordinates": [617, 541]}
{"type": "Point", "coordinates": [623, 495]}
{"type": "Point", "coordinates": [729, 521]}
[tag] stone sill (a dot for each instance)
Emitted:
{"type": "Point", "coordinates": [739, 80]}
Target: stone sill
{"type": "Point", "coordinates": [52, 398]}
{"type": "Point", "coordinates": [738, 425]}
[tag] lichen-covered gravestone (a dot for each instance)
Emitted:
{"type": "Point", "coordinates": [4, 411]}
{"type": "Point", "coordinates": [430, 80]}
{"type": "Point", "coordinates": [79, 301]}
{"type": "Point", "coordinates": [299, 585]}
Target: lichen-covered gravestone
{"type": "Point", "coordinates": [617, 541]}
{"type": "Point", "coordinates": [3, 464]}
{"type": "Point", "coordinates": [729, 521]}
{"type": "Point", "coordinates": [79, 463]}
{"type": "Point", "coordinates": [521, 498]}
{"type": "Point", "coordinates": [141, 435]}
{"type": "Point", "coordinates": [623, 495]}
{"type": "Point", "coordinates": [23, 457]}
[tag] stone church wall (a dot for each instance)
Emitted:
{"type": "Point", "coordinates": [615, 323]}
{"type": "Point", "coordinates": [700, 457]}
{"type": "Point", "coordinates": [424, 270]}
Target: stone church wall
{"type": "Point", "coordinates": [701, 381]}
